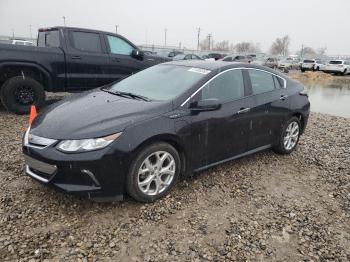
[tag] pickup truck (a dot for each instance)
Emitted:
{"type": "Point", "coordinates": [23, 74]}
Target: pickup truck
{"type": "Point", "coordinates": [66, 59]}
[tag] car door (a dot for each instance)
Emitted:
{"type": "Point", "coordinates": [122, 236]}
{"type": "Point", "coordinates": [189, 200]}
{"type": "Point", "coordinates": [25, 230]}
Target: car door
{"type": "Point", "coordinates": [121, 64]}
{"type": "Point", "coordinates": [87, 59]}
{"type": "Point", "coordinates": [223, 133]}
{"type": "Point", "coordinates": [270, 109]}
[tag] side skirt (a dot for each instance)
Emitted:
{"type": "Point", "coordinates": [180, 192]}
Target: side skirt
{"type": "Point", "coordinates": [234, 157]}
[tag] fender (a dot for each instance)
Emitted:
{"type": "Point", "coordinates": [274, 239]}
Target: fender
{"type": "Point", "coordinates": [26, 64]}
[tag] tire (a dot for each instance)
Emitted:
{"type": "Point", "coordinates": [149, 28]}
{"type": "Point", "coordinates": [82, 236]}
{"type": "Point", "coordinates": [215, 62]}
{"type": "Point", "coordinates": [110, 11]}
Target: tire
{"type": "Point", "coordinates": [18, 94]}
{"type": "Point", "coordinates": [281, 146]}
{"type": "Point", "coordinates": [140, 172]}
{"type": "Point", "coordinates": [318, 68]}
{"type": "Point", "coordinates": [303, 70]}
{"type": "Point", "coordinates": [344, 73]}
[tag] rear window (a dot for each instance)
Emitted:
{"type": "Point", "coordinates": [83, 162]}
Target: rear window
{"type": "Point", "coordinates": [309, 61]}
{"type": "Point", "coordinates": [88, 42]}
{"type": "Point", "coordinates": [335, 62]}
{"type": "Point", "coordinates": [49, 38]}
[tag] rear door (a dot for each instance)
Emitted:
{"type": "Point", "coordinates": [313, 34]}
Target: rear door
{"type": "Point", "coordinates": [271, 107]}
{"type": "Point", "coordinates": [87, 60]}
{"type": "Point", "coordinates": [121, 64]}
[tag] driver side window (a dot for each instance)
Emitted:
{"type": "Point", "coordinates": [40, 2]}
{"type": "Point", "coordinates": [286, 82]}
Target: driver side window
{"type": "Point", "coordinates": [226, 87]}
{"type": "Point", "coordinates": [119, 46]}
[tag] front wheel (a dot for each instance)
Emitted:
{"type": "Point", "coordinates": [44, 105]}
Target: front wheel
{"type": "Point", "coordinates": [19, 93]}
{"type": "Point", "coordinates": [153, 173]}
{"type": "Point", "coordinates": [289, 137]}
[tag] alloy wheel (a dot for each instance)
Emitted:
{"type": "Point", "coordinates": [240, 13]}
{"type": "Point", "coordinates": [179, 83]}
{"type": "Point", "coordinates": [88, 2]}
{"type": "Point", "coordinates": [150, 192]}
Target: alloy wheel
{"type": "Point", "coordinates": [291, 136]}
{"type": "Point", "coordinates": [156, 173]}
{"type": "Point", "coordinates": [25, 95]}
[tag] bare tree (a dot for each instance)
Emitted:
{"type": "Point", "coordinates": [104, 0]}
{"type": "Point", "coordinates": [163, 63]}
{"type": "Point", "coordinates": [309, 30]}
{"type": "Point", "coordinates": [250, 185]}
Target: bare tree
{"type": "Point", "coordinates": [247, 47]}
{"type": "Point", "coordinates": [204, 44]}
{"type": "Point", "coordinates": [222, 46]}
{"type": "Point", "coordinates": [280, 46]}
{"type": "Point", "coordinates": [322, 51]}
{"type": "Point", "coordinates": [308, 51]}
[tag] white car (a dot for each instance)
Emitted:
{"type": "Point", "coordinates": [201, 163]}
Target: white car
{"type": "Point", "coordinates": [338, 67]}
{"type": "Point", "coordinates": [288, 63]}
{"type": "Point", "coordinates": [22, 42]}
{"type": "Point", "coordinates": [320, 65]}
{"type": "Point", "coordinates": [308, 64]}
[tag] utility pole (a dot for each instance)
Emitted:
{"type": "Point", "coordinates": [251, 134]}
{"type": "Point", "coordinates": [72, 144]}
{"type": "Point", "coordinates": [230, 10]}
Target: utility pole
{"type": "Point", "coordinates": [209, 37]}
{"type": "Point", "coordinates": [64, 20]}
{"type": "Point", "coordinates": [116, 29]}
{"type": "Point", "coordinates": [198, 33]}
{"type": "Point", "coordinates": [30, 31]}
{"type": "Point", "coordinates": [165, 31]}
{"type": "Point", "coordinates": [13, 33]}
{"type": "Point", "coordinates": [302, 51]}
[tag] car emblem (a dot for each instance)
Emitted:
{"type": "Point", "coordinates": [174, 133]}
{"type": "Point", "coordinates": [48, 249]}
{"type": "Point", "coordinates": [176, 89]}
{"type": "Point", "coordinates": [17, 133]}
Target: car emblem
{"type": "Point", "coordinates": [30, 138]}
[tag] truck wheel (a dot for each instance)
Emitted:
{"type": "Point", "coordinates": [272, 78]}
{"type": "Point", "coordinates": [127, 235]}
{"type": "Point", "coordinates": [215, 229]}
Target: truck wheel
{"type": "Point", "coordinates": [18, 94]}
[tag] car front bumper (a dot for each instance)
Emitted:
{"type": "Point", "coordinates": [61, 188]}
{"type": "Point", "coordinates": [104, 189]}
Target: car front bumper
{"type": "Point", "coordinates": [98, 175]}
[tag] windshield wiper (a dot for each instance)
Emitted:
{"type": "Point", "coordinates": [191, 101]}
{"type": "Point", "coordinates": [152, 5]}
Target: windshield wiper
{"type": "Point", "coordinates": [127, 94]}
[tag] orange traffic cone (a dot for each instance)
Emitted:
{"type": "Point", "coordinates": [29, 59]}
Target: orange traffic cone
{"type": "Point", "coordinates": [32, 115]}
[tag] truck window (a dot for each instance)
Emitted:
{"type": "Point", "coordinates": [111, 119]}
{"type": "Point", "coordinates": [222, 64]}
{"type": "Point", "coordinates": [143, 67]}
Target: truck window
{"type": "Point", "coordinates": [49, 38]}
{"type": "Point", "coordinates": [119, 46]}
{"type": "Point", "coordinates": [88, 42]}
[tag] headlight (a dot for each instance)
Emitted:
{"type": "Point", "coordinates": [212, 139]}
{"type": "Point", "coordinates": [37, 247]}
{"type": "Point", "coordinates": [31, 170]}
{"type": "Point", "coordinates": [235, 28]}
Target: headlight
{"type": "Point", "coordinates": [83, 145]}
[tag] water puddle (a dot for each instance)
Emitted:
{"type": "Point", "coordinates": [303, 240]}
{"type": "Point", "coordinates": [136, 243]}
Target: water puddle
{"type": "Point", "coordinates": [333, 99]}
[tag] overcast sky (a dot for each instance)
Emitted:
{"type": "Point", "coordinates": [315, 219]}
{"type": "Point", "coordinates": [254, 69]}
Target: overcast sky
{"type": "Point", "coordinates": [313, 23]}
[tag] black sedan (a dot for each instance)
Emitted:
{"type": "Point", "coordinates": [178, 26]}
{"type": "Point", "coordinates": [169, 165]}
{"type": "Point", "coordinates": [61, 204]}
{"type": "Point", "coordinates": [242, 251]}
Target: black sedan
{"type": "Point", "coordinates": [139, 135]}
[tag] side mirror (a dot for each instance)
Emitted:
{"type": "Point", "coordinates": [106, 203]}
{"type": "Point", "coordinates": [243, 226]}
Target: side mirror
{"type": "Point", "coordinates": [138, 54]}
{"type": "Point", "coordinates": [210, 104]}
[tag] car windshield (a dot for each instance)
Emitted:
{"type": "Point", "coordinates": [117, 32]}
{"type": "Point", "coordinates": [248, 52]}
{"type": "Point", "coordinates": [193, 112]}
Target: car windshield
{"type": "Point", "coordinates": [335, 62]}
{"type": "Point", "coordinates": [160, 82]}
{"type": "Point", "coordinates": [309, 61]}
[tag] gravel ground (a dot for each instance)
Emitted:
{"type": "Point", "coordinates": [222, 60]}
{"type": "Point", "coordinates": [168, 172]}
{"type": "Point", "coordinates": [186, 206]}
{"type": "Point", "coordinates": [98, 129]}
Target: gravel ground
{"type": "Point", "coordinates": [263, 207]}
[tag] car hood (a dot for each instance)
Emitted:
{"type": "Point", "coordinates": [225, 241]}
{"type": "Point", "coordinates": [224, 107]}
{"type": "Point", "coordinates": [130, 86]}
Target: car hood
{"type": "Point", "coordinates": [94, 114]}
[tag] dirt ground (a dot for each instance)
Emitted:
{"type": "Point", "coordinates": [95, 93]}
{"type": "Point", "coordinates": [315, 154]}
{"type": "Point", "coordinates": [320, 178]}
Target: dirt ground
{"type": "Point", "coordinates": [265, 207]}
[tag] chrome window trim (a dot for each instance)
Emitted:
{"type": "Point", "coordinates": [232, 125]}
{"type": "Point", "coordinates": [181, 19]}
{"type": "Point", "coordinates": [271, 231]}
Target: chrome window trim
{"type": "Point", "coordinates": [231, 69]}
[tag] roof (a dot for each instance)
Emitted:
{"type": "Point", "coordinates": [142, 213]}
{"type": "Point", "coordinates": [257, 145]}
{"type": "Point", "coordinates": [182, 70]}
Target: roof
{"type": "Point", "coordinates": [76, 28]}
{"type": "Point", "coordinates": [214, 65]}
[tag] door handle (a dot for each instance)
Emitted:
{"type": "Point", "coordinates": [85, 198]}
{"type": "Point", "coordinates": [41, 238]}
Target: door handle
{"type": "Point", "coordinates": [76, 57]}
{"type": "Point", "coordinates": [283, 97]}
{"type": "Point", "coordinates": [115, 60]}
{"type": "Point", "coordinates": [243, 110]}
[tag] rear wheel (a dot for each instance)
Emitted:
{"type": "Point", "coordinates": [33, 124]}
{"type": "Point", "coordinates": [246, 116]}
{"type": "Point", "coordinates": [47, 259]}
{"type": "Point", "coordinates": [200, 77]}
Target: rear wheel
{"type": "Point", "coordinates": [302, 70]}
{"type": "Point", "coordinates": [289, 137]}
{"type": "Point", "coordinates": [344, 73]}
{"type": "Point", "coordinates": [153, 173]}
{"type": "Point", "coordinates": [19, 93]}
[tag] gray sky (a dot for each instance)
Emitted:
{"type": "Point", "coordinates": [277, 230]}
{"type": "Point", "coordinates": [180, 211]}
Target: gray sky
{"type": "Point", "coordinates": [313, 23]}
